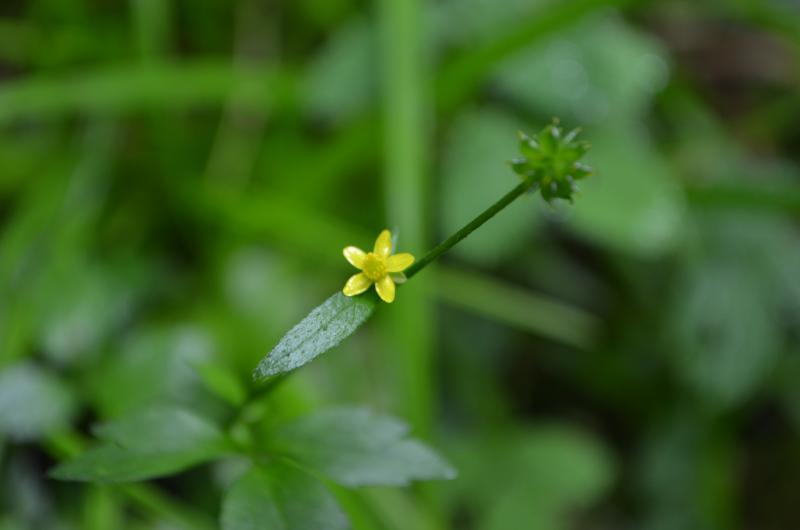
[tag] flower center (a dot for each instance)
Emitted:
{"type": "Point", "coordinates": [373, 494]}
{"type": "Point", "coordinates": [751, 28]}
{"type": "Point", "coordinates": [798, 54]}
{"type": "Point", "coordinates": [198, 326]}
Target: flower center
{"type": "Point", "coordinates": [374, 267]}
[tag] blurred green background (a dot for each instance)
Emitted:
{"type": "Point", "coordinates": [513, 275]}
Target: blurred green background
{"type": "Point", "coordinates": [178, 178]}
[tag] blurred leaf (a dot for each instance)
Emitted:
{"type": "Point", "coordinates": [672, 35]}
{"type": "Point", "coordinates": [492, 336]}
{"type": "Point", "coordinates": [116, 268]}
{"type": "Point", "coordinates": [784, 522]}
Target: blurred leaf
{"type": "Point", "coordinates": [788, 375]}
{"type": "Point", "coordinates": [473, 175]}
{"type": "Point", "coordinates": [597, 71]}
{"type": "Point", "coordinates": [110, 463]}
{"type": "Point", "coordinates": [279, 496]}
{"type": "Point", "coordinates": [725, 317]}
{"type": "Point", "coordinates": [356, 447]}
{"type": "Point", "coordinates": [222, 382]}
{"type": "Point", "coordinates": [324, 328]}
{"type": "Point", "coordinates": [7, 523]}
{"type": "Point", "coordinates": [125, 89]}
{"type": "Point", "coordinates": [26, 496]}
{"type": "Point", "coordinates": [687, 475]}
{"type": "Point", "coordinates": [93, 302]}
{"type": "Point", "coordinates": [516, 306]}
{"type": "Point", "coordinates": [45, 239]}
{"type": "Point", "coordinates": [289, 223]}
{"type": "Point", "coordinates": [253, 278]}
{"type": "Point", "coordinates": [539, 476]}
{"type": "Point", "coordinates": [24, 251]}
{"type": "Point", "coordinates": [162, 428]}
{"type": "Point", "coordinates": [775, 245]}
{"type": "Point", "coordinates": [602, 71]}
{"type": "Point", "coordinates": [345, 68]}
{"type": "Point", "coordinates": [519, 27]}
{"type": "Point", "coordinates": [154, 365]}
{"type": "Point", "coordinates": [725, 335]}
{"type": "Point", "coordinates": [148, 444]}
{"type": "Point", "coordinates": [33, 402]}
{"type": "Point", "coordinates": [479, 21]}
{"type": "Point", "coordinates": [633, 203]}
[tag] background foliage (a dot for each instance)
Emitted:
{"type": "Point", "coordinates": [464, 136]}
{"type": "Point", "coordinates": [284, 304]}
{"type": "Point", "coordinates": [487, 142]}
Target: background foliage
{"type": "Point", "coordinates": [177, 180]}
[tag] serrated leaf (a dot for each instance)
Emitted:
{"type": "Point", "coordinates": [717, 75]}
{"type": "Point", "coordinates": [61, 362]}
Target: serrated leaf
{"type": "Point", "coordinates": [279, 496]}
{"type": "Point", "coordinates": [324, 328]}
{"type": "Point", "coordinates": [146, 445]}
{"type": "Point", "coordinates": [356, 447]}
{"type": "Point", "coordinates": [33, 402]}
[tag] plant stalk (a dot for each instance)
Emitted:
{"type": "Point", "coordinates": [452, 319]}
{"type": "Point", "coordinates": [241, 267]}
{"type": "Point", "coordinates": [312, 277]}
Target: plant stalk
{"type": "Point", "coordinates": [453, 240]}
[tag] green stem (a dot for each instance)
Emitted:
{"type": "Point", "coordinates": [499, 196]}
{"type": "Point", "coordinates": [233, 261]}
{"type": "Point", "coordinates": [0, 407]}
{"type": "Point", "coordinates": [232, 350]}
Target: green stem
{"type": "Point", "coordinates": [451, 241]}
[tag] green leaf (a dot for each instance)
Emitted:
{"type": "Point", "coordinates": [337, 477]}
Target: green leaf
{"type": "Point", "coordinates": [111, 463]}
{"type": "Point", "coordinates": [122, 89]}
{"type": "Point", "coordinates": [154, 366]}
{"type": "Point", "coordinates": [94, 300]}
{"type": "Point", "coordinates": [356, 447]}
{"type": "Point", "coordinates": [726, 340]}
{"type": "Point", "coordinates": [222, 382]}
{"type": "Point", "coordinates": [599, 69]}
{"type": "Point", "coordinates": [146, 445]}
{"type": "Point", "coordinates": [33, 402]}
{"type": "Point", "coordinates": [684, 462]}
{"type": "Point", "coordinates": [603, 73]}
{"type": "Point", "coordinates": [633, 204]}
{"type": "Point", "coordinates": [539, 476]}
{"type": "Point", "coordinates": [345, 67]}
{"type": "Point", "coordinates": [164, 428]}
{"type": "Point", "coordinates": [280, 497]}
{"type": "Point", "coordinates": [325, 327]}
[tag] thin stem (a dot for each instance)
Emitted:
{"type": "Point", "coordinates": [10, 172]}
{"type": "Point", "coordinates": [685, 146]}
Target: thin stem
{"type": "Point", "coordinates": [451, 241]}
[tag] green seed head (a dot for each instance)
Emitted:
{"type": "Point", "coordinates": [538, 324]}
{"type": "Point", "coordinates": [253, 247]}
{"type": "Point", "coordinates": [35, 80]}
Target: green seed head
{"type": "Point", "coordinates": [551, 161]}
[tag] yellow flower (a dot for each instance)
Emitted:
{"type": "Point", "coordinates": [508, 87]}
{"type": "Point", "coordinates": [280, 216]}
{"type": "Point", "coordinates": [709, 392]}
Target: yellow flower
{"type": "Point", "coordinates": [378, 267]}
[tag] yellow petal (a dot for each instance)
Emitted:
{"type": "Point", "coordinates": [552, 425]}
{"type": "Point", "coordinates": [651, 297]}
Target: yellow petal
{"type": "Point", "coordinates": [383, 245]}
{"type": "Point", "coordinates": [399, 262]}
{"type": "Point", "coordinates": [385, 288]}
{"type": "Point", "coordinates": [357, 284]}
{"type": "Point", "coordinates": [355, 256]}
